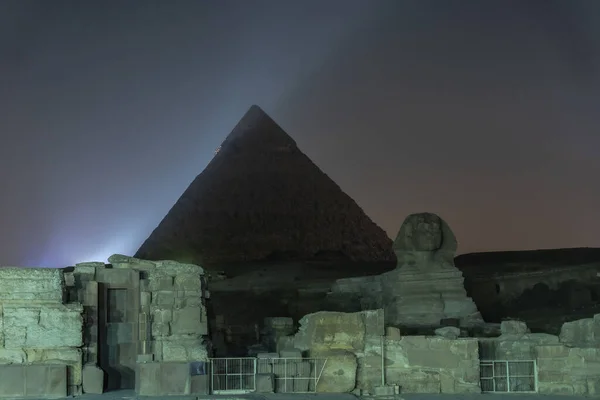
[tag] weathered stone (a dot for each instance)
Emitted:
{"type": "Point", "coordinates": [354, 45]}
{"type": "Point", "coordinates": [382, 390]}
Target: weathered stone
{"type": "Point", "coordinates": [181, 349]}
{"type": "Point", "coordinates": [512, 327]}
{"type": "Point", "coordinates": [40, 285]}
{"type": "Point", "coordinates": [93, 379]}
{"type": "Point", "coordinates": [265, 383]}
{"type": "Point", "coordinates": [44, 327]}
{"type": "Point", "coordinates": [339, 373]}
{"type": "Point", "coordinates": [581, 332]}
{"type": "Point", "coordinates": [326, 330]}
{"type": "Point", "coordinates": [392, 333]}
{"type": "Point", "coordinates": [448, 332]}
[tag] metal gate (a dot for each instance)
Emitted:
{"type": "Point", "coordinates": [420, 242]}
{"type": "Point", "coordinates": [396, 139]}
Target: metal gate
{"type": "Point", "coordinates": [509, 376]}
{"type": "Point", "coordinates": [293, 375]}
{"type": "Point", "coordinates": [233, 375]}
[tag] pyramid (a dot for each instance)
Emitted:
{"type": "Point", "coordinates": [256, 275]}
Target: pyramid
{"type": "Point", "coordinates": [259, 199]}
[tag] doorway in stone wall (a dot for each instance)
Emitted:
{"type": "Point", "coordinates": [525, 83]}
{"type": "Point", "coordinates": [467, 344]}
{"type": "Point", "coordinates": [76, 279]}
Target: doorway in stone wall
{"type": "Point", "coordinates": [118, 312]}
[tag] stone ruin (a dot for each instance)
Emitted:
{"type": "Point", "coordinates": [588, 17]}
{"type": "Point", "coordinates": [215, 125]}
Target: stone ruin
{"type": "Point", "coordinates": [425, 289]}
{"type": "Point", "coordinates": [130, 324]}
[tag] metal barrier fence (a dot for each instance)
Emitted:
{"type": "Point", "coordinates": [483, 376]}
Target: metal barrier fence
{"type": "Point", "coordinates": [233, 375]}
{"type": "Point", "coordinates": [508, 376]}
{"type": "Point", "coordinates": [293, 375]}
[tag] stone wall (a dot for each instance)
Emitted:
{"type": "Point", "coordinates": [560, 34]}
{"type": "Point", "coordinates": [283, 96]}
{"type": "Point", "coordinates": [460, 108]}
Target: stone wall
{"type": "Point", "coordinates": [40, 336]}
{"type": "Point", "coordinates": [173, 324]}
{"type": "Point", "coordinates": [566, 364]}
{"type": "Point", "coordinates": [353, 342]}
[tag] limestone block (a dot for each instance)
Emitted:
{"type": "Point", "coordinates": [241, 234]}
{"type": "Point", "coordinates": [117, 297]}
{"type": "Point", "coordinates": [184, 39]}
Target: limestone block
{"type": "Point", "coordinates": [513, 328]}
{"type": "Point", "coordinates": [145, 300]}
{"type": "Point", "coordinates": [448, 332]}
{"type": "Point", "coordinates": [339, 373]}
{"type": "Point", "coordinates": [187, 321]}
{"type": "Point", "coordinates": [148, 378]}
{"type": "Point", "coordinates": [175, 268]}
{"type": "Point", "coordinates": [267, 355]}
{"type": "Point", "coordinates": [182, 349]}
{"type": "Point", "coordinates": [163, 298]}
{"type": "Point", "coordinates": [175, 378]}
{"type": "Point", "coordinates": [121, 261]}
{"type": "Point", "coordinates": [291, 353]}
{"type": "Point", "coordinates": [265, 383]}
{"type": "Point", "coordinates": [301, 385]}
{"type": "Point", "coordinates": [71, 357]}
{"type": "Point", "coordinates": [393, 333]}
{"type": "Point", "coordinates": [188, 282]}
{"type": "Point", "coordinates": [580, 333]}
{"type": "Point", "coordinates": [12, 356]}
{"type": "Point", "coordinates": [93, 379]}
{"type": "Point", "coordinates": [37, 285]}
{"type": "Point", "coordinates": [551, 351]}
{"type": "Point", "coordinates": [326, 330]}
{"type": "Point", "coordinates": [69, 279]}
{"type": "Point", "coordinates": [43, 327]}
{"type": "Point", "coordinates": [200, 384]}
{"type": "Point", "coordinates": [158, 283]}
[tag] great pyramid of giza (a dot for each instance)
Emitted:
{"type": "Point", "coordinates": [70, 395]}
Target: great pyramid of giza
{"type": "Point", "coordinates": [261, 198]}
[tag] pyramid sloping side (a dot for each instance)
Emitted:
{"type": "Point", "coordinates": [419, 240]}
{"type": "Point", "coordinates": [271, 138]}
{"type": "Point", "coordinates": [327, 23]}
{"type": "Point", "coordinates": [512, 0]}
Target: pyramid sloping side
{"type": "Point", "coordinates": [259, 196]}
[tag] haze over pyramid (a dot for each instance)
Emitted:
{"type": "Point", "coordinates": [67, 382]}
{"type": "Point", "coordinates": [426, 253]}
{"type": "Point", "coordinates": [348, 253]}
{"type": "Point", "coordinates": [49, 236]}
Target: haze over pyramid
{"type": "Point", "coordinates": [261, 198]}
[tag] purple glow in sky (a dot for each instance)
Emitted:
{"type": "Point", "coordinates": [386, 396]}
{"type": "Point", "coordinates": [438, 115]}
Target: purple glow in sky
{"type": "Point", "coordinates": [484, 112]}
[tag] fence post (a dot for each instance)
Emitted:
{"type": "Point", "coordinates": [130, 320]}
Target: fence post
{"type": "Point", "coordinates": [507, 377]}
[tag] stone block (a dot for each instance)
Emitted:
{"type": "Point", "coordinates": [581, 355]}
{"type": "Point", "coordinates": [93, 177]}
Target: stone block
{"type": "Point", "coordinates": [41, 381]}
{"type": "Point", "coordinates": [551, 351]}
{"type": "Point", "coordinates": [43, 327]}
{"type": "Point", "coordinates": [328, 330]}
{"type": "Point", "coordinates": [448, 332]}
{"type": "Point", "coordinates": [31, 285]}
{"type": "Point", "coordinates": [292, 353]}
{"type": "Point", "coordinates": [159, 283]}
{"type": "Point", "coordinates": [47, 381]}
{"type": "Point", "coordinates": [374, 322]}
{"type": "Point", "coordinates": [580, 333]}
{"type": "Point", "coordinates": [267, 355]}
{"type": "Point", "coordinates": [12, 381]}
{"type": "Point", "coordinates": [117, 277]}
{"type": "Point", "coordinates": [339, 373]}
{"type": "Point", "coordinates": [264, 366]}
{"type": "Point", "coordinates": [92, 379]}
{"type": "Point", "coordinates": [184, 350]}
{"type": "Point", "coordinates": [12, 356]}
{"type": "Point", "coordinates": [188, 282]}
{"type": "Point", "coordinates": [90, 294]}
{"type": "Point", "coordinates": [384, 390]}
{"type": "Point", "coordinates": [163, 298]}
{"type": "Point", "coordinates": [145, 358]}
{"type": "Point", "coordinates": [87, 269]}
{"type": "Point", "coordinates": [187, 321]}
{"type": "Point", "coordinates": [513, 327]}
{"type": "Point", "coordinates": [72, 357]}
{"type": "Point", "coordinates": [301, 385]}
{"type": "Point", "coordinates": [148, 379]}
{"type": "Point", "coordinates": [200, 384]}
{"type": "Point", "coordinates": [145, 301]}
{"type": "Point", "coordinates": [175, 378]}
{"type": "Point", "coordinates": [303, 369]}
{"type": "Point", "coordinates": [265, 383]}
{"type": "Point", "coordinates": [392, 333]}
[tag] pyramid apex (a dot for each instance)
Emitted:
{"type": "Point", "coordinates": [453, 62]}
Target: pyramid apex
{"type": "Point", "coordinates": [258, 129]}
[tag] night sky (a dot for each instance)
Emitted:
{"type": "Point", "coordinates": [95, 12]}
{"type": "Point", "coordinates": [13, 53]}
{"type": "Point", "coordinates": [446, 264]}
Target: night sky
{"type": "Point", "coordinates": [485, 112]}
